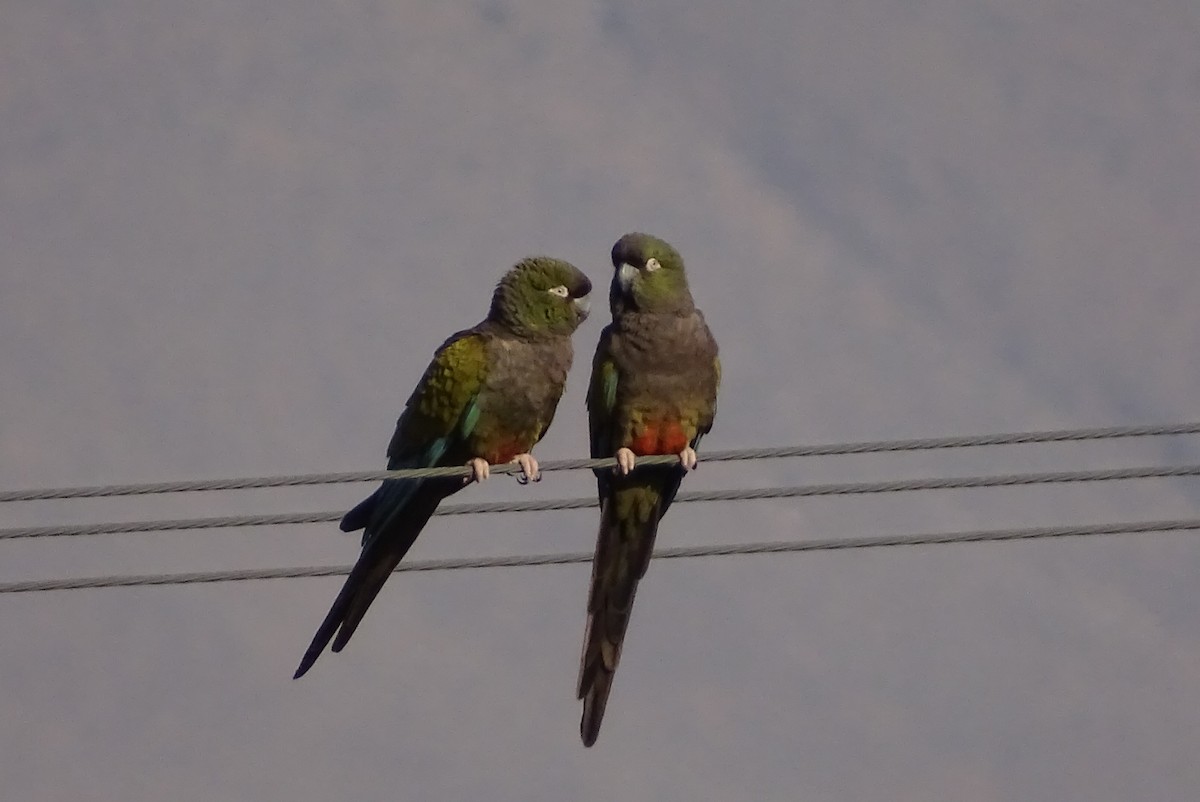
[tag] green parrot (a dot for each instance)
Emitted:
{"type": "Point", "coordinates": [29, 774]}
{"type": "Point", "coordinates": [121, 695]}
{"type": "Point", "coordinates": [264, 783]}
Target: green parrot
{"type": "Point", "coordinates": [653, 391]}
{"type": "Point", "coordinates": [486, 398]}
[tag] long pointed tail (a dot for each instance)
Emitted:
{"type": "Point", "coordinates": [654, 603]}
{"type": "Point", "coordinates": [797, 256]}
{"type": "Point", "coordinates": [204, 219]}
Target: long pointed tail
{"type": "Point", "coordinates": [628, 523]}
{"type": "Point", "coordinates": [384, 550]}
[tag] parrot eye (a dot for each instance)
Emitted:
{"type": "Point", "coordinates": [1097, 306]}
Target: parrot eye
{"type": "Point", "coordinates": [561, 291]}
{"type": "Point", "coordinates": [652, 265]}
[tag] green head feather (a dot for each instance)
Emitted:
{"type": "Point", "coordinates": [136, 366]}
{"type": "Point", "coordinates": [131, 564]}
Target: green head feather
{"type": "Point", "coordinates": [541, 296]}
{"type": "Point", "coordinates": [649, 276]}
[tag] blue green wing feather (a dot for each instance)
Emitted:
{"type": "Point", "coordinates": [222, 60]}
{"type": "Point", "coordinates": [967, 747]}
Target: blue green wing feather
{"type": "Point", "coordinates": [437, 421]}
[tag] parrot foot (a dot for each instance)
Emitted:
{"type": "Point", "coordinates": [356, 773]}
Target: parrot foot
{"type": "Point", "coordinates": [625, 461]}
{"type": "Point", "coordinates": [530, 472]}
{"type": "Point", "coordinates": [480, 470]}
{"type": "Point", "coordinates": [688, 459]}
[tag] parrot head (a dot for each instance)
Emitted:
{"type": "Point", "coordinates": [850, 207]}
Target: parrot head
{"type": "Point", "coordinates": [541, 296]}
{"type": "Point", "coordinates": [649, 276]}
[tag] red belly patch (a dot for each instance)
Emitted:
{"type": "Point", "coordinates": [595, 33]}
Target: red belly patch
{"type": "Point", "coordinates": [661, 437]}
{"type": "Point", "coordinates": [504, 450]}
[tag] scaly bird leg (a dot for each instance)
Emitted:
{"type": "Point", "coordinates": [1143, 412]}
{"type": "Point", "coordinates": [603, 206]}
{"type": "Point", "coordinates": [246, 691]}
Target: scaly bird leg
{"type": "Point", "coordinates": [530, 472]}
{"type": "Point", "coordinates": [480, 470]}
{"type": "Point", "coordinates": [625, 461]}
{"type": "Point", "coordinates": [687, 458]}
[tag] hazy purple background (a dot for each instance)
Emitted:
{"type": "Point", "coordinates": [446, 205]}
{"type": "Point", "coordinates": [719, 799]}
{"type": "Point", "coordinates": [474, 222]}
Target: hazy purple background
{"type": "Point", "coordinates": [232, 233]}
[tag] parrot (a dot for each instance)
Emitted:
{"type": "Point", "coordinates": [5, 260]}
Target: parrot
{"type": "Point", "coordinates": [487, 397]}
{"type": "Point", "coordinates": [653, 390]}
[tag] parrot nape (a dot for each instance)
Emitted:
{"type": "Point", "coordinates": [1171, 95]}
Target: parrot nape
{"type": "Point", "coordinates": [486, 398]}
{"type": "Point", "coordinates": [653, 391]}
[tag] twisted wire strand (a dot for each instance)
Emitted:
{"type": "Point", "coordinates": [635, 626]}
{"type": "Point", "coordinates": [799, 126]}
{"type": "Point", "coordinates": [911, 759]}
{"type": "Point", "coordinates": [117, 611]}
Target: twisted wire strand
{"type": "Point", "coordinates": [862, 447]}
{"type": "Point", "coordinates": [568, 558]}
{"type": "Point", "coordinates": [742, 494]}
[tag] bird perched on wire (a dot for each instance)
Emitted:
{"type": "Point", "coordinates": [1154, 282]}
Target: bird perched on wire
{"type": "Point", "coordinates": [653, 391]}
{"type": "Point", "coordinates": [486, 398]}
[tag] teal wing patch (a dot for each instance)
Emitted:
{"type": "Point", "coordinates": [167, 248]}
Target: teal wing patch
{"type": "Point", "coordinates": [440, 414]}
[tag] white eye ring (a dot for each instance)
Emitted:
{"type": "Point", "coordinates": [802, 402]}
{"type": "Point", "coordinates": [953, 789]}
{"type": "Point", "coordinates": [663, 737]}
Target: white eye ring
{"type": "Point", "coordinates": [561, 291]}
{"type": "Point", "coordinates": [652, 265]}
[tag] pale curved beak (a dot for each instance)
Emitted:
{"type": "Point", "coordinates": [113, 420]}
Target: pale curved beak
{"type": "Point", "coordinates": [583, 304]}
{"type": "Point", "coordinates": [625, 275]}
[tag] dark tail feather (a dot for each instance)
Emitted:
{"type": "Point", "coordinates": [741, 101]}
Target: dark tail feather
{"type": "Point", "coordinates": [383, 552]}
{"type": "Point", "coordinates": [374, 513]}
{"type": "Point", "coordinates": [360, 516]}
{"type": "Point", "coordinates": [593, 708]}
{"type": "Point", "coordinates": [397, 546]}
{"type": "Point", "coordinates": [333, 619]}
{"type": "Point", "coordinates": [601, 655]}
{"type": "Point", "coordinates": [623, 549]}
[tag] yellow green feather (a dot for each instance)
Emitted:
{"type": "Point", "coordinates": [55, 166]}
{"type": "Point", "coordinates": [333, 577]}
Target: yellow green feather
{"type": "Point", "coordinates": [441, 405]}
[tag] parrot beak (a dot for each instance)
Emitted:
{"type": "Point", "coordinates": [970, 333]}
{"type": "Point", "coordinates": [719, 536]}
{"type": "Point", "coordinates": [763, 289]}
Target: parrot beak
{"type": "Point", "coordinates": [583, 305]}
{"type": "Point", "coordinates": [625, 275]}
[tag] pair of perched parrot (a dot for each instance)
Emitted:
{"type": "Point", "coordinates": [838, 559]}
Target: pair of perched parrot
{"type": "Point", "coordinates": [489, 396]}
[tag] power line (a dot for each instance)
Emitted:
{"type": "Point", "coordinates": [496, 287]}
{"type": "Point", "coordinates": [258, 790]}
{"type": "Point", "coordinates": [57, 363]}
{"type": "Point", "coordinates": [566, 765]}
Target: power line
{"type": "Point", "coordinates": [568, 558]}
{"type": "Point", "coordinates": [744, 494]}
{"type": "Point", "coordinates": [862, 447]}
